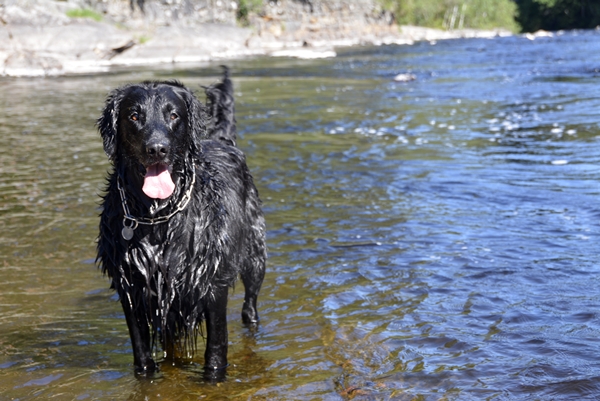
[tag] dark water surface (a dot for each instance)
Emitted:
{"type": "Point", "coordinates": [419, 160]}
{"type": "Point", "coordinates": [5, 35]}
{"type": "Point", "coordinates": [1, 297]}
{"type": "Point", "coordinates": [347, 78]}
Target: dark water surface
{"type": "Point", "coordinates": [430, 240]}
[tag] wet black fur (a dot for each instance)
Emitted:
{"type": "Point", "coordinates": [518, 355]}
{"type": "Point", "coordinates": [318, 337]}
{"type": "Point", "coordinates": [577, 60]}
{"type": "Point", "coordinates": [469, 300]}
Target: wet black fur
{"type": "Point", "coordinates": [170, 276]}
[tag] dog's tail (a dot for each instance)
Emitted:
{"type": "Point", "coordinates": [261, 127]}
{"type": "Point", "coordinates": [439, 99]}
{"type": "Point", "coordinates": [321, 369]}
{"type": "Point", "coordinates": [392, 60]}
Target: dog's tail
{"type": "Point", "coordinates": [221, 110]}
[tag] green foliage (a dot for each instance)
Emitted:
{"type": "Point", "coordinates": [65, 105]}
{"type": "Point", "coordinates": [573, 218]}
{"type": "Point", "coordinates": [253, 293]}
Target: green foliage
{"type": "Point", "coordinates": [84, 13]}
{"type": "Point", "coordinates": [143, 39]}
{"type": "Point", "coordinates": [245, 7]}
{"type": "Point", "coordinates": [455, 14]}
{"type": "Point", "coordinates": [547, 3]}
{"type": "Point", "coordinates": [552, 15]}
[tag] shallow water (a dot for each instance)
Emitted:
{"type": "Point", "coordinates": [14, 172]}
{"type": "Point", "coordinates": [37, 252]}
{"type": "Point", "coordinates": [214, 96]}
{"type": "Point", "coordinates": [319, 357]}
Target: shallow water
{"type": "Point", "coordinates": [429, 240]}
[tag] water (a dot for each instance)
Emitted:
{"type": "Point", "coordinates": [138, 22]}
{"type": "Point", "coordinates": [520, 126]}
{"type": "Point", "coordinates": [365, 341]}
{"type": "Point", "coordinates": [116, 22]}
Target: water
{"type": "Point", "coordinates": [430, 240]}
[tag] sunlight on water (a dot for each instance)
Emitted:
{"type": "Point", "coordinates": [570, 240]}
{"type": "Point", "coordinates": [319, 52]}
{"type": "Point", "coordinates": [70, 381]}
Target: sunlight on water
{"type": "Point", "coordinates": [432, 239]}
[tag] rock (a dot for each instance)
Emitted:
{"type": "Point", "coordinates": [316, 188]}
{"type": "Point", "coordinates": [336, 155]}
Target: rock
{"type": "Point", "coordinates": [27, 63]}
{"type": "Point", "coordinates": [539, 34]}
{"type": "Point", "coordinates": [33, 12]}
{"type": "Point", "coordinates": [79, 46]}
{"type": "Point", "coordinates": [405, 77]}
{"type": "Point", "coordinates": [37, 37]}
{"type": "Point", "coordinates": [324, 21]}
{"type": "Point", "coordinates": [305, 53]}
{"type": "Point", "coordinates": [418, 33]}
{"type": "Point", "coordinates": [187, 44]}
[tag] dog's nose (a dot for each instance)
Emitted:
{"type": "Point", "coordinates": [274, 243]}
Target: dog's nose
{"type": "Point", "coordinates": [157, 149]}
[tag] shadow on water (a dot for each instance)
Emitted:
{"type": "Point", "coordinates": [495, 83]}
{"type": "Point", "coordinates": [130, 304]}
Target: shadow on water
{"type": "Point", "coordinates": [428, 240]}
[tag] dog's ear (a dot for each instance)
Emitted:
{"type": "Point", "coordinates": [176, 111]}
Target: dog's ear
{"type": "Point", "coordinates": [107, 123]}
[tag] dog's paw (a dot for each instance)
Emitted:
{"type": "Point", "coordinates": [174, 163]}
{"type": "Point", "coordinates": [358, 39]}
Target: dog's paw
{"type": "Point", "coordinates": [147, 370]}
{"type": "Point", "coordinates": [249, 315]}
{"type": "Point", "coordinates": [215, 375]}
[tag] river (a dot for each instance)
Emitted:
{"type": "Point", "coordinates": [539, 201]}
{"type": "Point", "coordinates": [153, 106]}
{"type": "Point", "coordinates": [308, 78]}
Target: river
{"type": "Point", "coordinates": [429, 240]}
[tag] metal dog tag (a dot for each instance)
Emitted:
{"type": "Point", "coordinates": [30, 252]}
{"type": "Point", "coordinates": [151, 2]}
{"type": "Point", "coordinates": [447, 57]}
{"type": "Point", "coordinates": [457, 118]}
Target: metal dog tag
{"type": "Point", "coordinates": [127, 233]}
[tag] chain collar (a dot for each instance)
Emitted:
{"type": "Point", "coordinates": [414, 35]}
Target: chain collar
{"type": "Point", "coordinates": [127, 231]}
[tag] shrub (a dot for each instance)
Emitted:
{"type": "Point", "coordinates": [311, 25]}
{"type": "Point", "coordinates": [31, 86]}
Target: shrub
{"type": "Point", "coordinates": [455, 14]}
{"type": "Point", "coordinates": [84, 13]}
{"type": "Point", "coordinates": [245, 7]}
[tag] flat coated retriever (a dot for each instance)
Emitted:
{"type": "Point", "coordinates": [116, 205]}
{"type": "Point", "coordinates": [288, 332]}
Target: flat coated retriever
{"type": "Point", "coordinates": [181, 219]}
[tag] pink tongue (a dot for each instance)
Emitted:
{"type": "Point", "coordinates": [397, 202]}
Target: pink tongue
{"type": "Point", "coordinates": [158, 183]}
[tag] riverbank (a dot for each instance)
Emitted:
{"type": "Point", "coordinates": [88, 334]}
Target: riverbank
{"type": "Point", "coordinates": [39, 38]}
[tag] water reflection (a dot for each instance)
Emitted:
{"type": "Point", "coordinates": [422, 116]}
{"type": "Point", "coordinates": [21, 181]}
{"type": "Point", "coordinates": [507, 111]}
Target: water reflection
{"type": "Point", "coordinates": [428, 240]}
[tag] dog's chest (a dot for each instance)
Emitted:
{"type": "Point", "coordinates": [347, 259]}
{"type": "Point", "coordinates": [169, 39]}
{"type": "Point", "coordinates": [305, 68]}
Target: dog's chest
{"type": "Point", "coordinates": [158, 250]}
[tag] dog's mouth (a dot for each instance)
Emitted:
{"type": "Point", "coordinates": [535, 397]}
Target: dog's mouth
{"type": "Point", "coordinates": [158, 183]}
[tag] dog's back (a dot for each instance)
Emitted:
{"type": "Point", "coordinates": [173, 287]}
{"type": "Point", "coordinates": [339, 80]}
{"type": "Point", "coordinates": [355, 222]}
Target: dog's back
{"type": "Point", "coordinates": [221, 110]}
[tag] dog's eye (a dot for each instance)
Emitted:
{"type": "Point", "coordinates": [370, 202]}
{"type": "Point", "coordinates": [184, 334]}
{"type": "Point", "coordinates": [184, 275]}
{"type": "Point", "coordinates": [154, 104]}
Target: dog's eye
{"type": "Point", "coordinates": [134, 117]}
{"type": "Point", "coordinates": [174, 116]}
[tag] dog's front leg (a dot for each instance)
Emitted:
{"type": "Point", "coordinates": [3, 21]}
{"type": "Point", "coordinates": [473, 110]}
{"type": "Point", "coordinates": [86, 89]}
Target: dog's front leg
{"type": "Point", "coordinates": [215, 356]}
{"type": "Point", "coordinates": [140, 338]}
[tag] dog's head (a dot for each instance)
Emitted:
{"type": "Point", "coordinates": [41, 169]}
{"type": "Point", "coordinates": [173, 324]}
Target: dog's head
{"type": "Point", "coordinates": [152, 126]}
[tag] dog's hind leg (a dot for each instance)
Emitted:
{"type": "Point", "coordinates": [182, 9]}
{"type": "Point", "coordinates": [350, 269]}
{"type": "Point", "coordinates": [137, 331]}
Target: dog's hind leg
{"type": "Point", "coordinates": [139, 331]}
{"type": "Point", "coordinates": [253, 268]}
{"type": "Point", "coordinates": [252, 277]}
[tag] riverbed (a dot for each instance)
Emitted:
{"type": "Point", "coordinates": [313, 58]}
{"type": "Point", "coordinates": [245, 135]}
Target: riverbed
{"type": "Point", "coordinates": [434, 239]}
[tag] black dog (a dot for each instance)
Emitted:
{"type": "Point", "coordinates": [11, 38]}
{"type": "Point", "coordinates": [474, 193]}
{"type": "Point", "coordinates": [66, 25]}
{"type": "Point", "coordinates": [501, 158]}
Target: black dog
{"type": "Point", "coordinates": [181, 218]}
